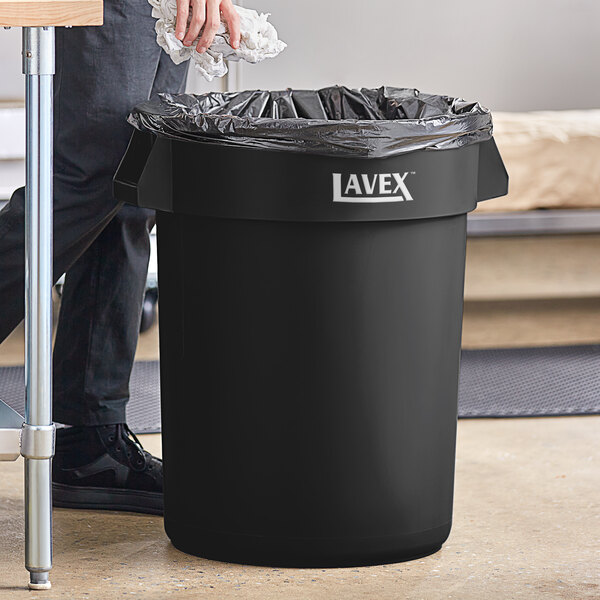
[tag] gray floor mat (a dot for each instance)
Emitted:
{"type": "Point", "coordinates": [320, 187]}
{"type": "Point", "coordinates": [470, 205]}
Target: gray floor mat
{"type": "Point", "coordinates": [530, 382]}
{"type": "Point", "coordinates": [524, 382]}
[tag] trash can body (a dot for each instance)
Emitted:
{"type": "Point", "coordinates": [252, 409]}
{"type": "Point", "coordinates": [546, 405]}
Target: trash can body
{"type": "Point", "coordinates": [310, 326]}
{"type": "Point", "coordinates": [309, 382]}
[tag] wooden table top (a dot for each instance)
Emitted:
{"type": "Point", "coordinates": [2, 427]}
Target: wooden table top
{"type": "Point", "coordinates": [39, 13]}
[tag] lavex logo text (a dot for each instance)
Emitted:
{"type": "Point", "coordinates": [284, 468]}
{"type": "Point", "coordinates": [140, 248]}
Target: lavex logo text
{"type": "Point", "coordinates": [379, 187]}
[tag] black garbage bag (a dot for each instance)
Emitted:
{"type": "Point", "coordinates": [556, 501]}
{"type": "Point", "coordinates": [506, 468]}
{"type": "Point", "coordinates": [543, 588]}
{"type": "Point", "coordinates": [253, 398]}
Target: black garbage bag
{"type": "Point", "coordinates": [334, 121]}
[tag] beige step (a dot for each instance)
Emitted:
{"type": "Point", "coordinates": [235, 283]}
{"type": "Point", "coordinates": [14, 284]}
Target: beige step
{"type": "Point", "coordinates": [532, 291]}
{"type": "Point", "coordinates": [529, 323]}
{"type": "Point", "coordinates": [533, 268]}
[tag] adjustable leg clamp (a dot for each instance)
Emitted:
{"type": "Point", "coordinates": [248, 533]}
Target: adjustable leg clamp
{"type": "Point", "coordinates": [37, 441]}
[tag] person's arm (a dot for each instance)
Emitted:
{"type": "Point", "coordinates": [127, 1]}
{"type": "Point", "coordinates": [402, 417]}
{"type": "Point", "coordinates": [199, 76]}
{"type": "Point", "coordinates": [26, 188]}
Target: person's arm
{"type": "Point", "coordinates": [207, 14]}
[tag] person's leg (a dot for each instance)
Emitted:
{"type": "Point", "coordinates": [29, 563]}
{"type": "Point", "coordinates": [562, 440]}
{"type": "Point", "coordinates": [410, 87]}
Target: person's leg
{"type": "Point", "coordinates": [99, 323]}
{"type": "Point", "coordinates": [101, 72]}
{"type": "Point", "coordinates": [98, 462]}
{"type": "Point", "coordinates": [76, 224]}
{"type": "Point", "coordinates": [101, 305]}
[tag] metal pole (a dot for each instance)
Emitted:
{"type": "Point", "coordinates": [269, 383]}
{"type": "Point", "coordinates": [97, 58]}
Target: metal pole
{"type": "Point", "coordinates": [38, 66]}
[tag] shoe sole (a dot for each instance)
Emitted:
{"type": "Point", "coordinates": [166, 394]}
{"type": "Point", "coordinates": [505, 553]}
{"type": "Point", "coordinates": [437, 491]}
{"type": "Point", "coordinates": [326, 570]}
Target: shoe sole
{"type": "Point", "coordinates": [93, 498]}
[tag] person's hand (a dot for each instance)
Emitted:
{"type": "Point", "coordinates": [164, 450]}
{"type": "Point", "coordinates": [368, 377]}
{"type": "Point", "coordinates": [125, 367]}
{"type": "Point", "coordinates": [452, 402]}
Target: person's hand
{"type": "Point", "coordinates": [207, 14]}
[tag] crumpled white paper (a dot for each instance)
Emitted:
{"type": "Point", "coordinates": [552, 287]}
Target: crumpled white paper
{"type": "Point", "coordinates": [259, 40]}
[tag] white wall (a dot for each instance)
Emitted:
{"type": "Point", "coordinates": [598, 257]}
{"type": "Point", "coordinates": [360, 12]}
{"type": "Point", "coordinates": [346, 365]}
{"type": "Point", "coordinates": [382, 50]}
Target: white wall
{"type": "Point", "coordinates": [12, 126]}
{"type": "Point", "coordinates": [12, 83]}
{"type": "Point", "coordinates": [509, 54]}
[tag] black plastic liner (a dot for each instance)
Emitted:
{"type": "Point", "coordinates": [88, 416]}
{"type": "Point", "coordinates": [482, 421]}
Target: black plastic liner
{"type": "Point", "coordinates": [334, 121]}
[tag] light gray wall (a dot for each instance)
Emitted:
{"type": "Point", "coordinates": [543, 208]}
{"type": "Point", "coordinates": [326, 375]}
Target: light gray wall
{"type": "Point", "coordinates": [12, 83]}
{"type": "Point", "coordinates": [509, 54]}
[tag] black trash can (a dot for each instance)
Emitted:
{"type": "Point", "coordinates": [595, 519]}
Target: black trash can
{"type": "Point", "coordinates": [311, 297]}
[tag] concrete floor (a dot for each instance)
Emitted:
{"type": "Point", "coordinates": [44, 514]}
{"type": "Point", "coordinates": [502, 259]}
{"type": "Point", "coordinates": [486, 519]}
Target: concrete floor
{"type": "Point", "coordinates": [527, 510]}
{"type": "Point", "coordinates": [527, 525]}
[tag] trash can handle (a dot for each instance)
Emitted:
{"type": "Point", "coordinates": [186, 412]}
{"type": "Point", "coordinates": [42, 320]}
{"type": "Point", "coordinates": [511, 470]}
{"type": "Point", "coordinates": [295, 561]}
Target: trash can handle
{"type": "Point", "coordinates": [133, 163]}
{"type": "Point", "coordinates": [144, 175]}
{"type": "Point", "coordinates": [492, 177]}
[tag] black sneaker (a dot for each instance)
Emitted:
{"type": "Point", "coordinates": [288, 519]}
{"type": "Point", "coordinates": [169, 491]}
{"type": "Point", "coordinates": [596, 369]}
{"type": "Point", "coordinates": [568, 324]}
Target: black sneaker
{"type": "Point", "coordinates": [105, 468]}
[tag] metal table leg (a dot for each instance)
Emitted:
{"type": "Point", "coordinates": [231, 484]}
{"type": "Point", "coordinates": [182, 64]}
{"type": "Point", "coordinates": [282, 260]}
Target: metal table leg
{"type": "Point", "coordinates": [37, 440]}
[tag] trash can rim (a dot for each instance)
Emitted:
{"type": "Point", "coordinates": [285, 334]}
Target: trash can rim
{"type": "Point", "coordinates": [305, 121]}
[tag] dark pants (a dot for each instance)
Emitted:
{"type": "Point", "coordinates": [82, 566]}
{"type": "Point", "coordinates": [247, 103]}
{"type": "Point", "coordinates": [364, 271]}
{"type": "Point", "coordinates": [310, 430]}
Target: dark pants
{"type": "Point", "coordinates": [103, 246]}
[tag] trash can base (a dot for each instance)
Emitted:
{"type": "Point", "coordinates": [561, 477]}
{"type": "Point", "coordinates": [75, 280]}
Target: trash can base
{"type": "Point", "coordinates": [306, 553]}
